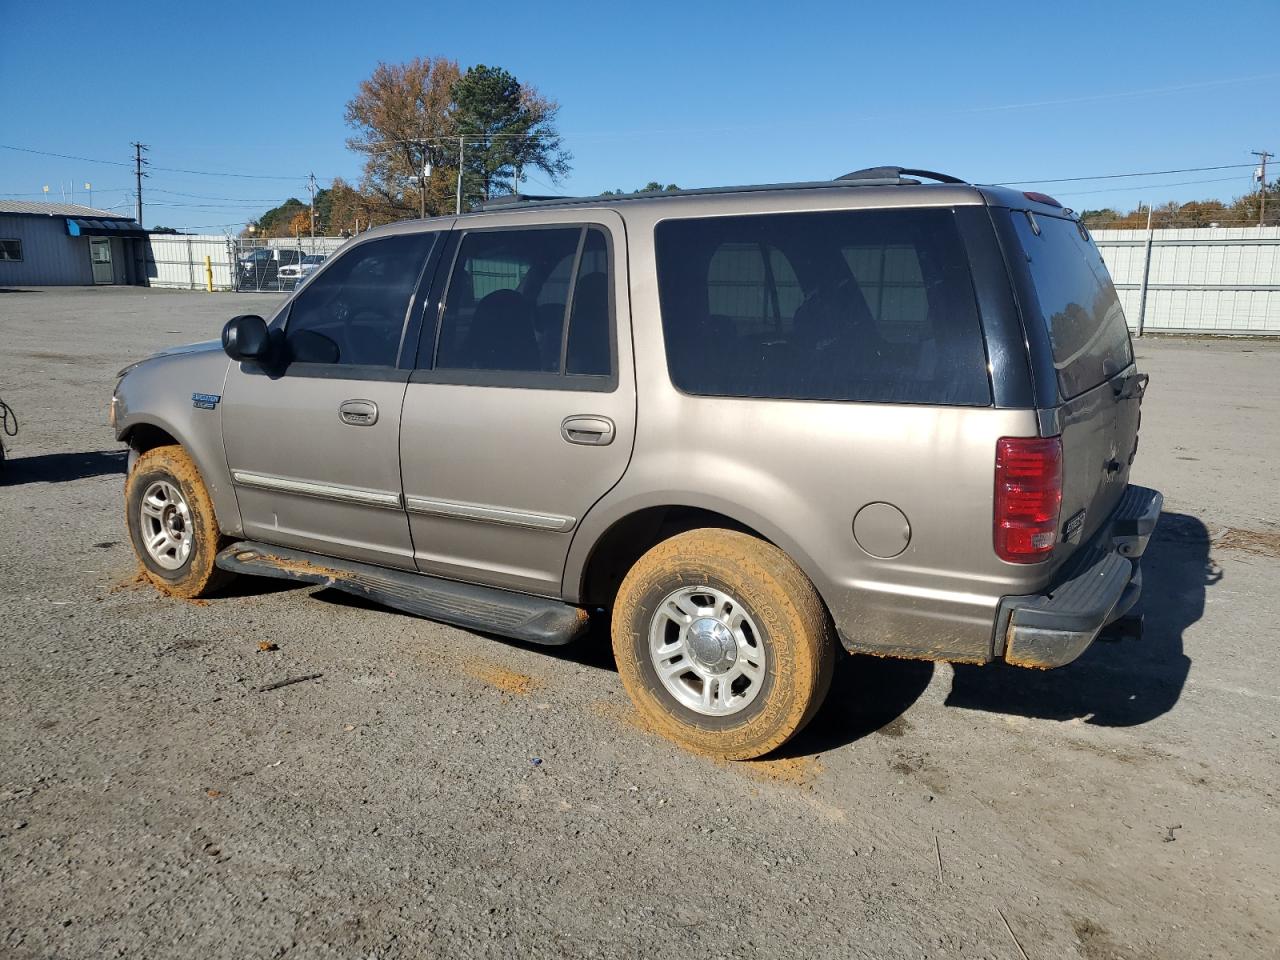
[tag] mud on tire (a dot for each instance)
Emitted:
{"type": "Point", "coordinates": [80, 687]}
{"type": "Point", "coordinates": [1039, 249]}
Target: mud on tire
{"type": "Point", "coordinates": [785, 611]}
{"type": "Point", "coordinates": [195, 575]}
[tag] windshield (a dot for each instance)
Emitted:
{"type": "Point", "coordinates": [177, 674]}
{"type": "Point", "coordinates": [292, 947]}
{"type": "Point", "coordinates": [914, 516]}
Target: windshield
{"type": "Point", "coordinates": [1078, 301]}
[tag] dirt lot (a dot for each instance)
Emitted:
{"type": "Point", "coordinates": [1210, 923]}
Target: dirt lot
{"type": "Point", "coordinates": [438, 793]}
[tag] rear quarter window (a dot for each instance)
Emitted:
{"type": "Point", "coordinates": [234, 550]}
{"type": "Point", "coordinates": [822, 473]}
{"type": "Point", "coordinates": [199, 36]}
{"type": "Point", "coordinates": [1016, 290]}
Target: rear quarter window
{"type": "Point", "coordinates": [864, 305]}
{"type": "Point", "coordinates": [1087, 329]}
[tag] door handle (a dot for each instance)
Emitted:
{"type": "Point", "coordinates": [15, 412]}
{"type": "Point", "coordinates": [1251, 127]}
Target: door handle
{"type": "Point", "coordinates": [588, 430]}
{"type": "Point", "coordinates": [358, 413]}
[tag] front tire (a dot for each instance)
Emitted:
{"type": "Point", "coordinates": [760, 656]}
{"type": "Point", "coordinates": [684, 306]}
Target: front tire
{"type": "Point", "coordinates": [722, 643]}
{"type": "Point", "coordinates": [172, 525]}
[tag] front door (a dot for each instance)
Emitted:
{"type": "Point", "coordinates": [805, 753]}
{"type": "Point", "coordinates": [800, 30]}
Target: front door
{"type": "Point", "coordinates": [312, 440]}
{"type": "Point", "coordinates": [100, 257]}
{"type": "Point", "coordinates": [521, 413]}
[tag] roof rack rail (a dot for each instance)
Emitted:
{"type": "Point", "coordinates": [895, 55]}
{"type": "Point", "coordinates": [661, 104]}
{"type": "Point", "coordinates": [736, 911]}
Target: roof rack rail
{"type": "Point", "coordinates": [901, 174]}
{"type": "Point", "coordinates": [871, 177]}
{"type": "Point", "coordinates": [512, 199]}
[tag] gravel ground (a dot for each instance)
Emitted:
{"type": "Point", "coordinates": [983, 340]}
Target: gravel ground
{"type": "Point", "coordinates": [440, 793]}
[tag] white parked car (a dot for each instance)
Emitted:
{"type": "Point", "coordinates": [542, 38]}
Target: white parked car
{"type": "Point", "coordinates": [296, 272]}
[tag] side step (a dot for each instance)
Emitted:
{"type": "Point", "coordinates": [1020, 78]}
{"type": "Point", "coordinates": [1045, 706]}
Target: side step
{"type": "Point", "coordinates": [516, 615]}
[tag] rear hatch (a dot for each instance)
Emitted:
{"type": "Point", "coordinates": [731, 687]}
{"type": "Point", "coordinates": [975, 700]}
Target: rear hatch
{"type": "Point", "coordinates": [1096, 392]}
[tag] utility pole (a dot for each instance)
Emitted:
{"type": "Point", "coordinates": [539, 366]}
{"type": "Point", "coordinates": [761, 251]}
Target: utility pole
{"type": "Point", "coordinates": [138, 161]}
{"type": "Point", "coordinates": [311, 185]}
{"type": "Point", "coordinates": [462, 155]}
{"type": "Point", "coordinates": [1146, 275]}
{"type": "Point", "coordinates": [423, 176]}
{"type": "Point", "coordinates": [1262, 155]}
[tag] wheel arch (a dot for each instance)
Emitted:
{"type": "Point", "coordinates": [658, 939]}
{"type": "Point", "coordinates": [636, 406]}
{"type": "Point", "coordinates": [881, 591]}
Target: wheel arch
{"type": "Point", "coordinates": [147, 432]}
{"type": "Point", "coordinates": [143, 436]}
{"type": "Point", "coordinates": [606, 547]}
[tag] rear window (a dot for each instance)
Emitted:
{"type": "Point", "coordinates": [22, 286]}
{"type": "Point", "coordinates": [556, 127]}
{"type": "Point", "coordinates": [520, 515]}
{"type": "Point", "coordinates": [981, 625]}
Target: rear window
{"type": "Point", "coordinates": [1087, 329]}
{"type": "Point", "coordinates": [871, 305]}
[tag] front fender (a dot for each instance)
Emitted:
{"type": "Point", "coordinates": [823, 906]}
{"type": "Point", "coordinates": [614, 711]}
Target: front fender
{"type": "Point", "coordinates": [158, 394]}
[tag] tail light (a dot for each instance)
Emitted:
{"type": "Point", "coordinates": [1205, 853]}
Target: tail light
{"type": "Point", "coordinates": [1041, 198]}
{"type": "Point", "coordinates": [1028, 497]}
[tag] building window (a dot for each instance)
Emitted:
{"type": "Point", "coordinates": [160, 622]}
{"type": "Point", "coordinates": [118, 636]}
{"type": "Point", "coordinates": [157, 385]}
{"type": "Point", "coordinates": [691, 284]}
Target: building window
{"type": "Point", "coordinates": [10, 249]}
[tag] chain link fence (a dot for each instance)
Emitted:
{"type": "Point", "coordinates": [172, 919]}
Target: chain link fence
{"type": "Point", "coordinates": [278, 264]}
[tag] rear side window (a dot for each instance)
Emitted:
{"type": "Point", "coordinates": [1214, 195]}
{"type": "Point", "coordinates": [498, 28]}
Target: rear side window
{"type": "Point", "coordinates": [353, 313]}
{"type": "Point", "coordinates": [1087, 329]}
{"type": "Point", "coordinates": [869, 305]}
{"type": "Point", "coordinates": [529, 301]}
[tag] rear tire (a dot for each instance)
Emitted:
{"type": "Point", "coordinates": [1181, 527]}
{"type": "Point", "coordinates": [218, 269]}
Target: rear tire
{"type": "Point", "coordinates": [172, 525]}
{"type": "Point", "coordinates": [722, 643]}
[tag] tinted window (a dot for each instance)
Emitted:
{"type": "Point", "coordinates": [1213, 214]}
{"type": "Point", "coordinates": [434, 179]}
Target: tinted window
{"type": "Point", "coordinates": [589, 352]}
{"type": "Point", "coordinates": [507, 299]}
{"type": "Point", "coordinates": [354, 311]}
{"type": "Point", "coordinates": [871, 305]}
{"type": "Point", "coordinates": [1087, 329]}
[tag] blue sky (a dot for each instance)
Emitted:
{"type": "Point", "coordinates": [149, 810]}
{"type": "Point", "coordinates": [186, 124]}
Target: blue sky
{"type": "Point", "coordinates": [696, 94]}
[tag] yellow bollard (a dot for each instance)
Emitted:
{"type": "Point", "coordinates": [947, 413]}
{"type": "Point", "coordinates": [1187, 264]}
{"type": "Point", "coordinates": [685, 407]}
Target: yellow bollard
{"type": "Point", "coordinates": [208, 274]}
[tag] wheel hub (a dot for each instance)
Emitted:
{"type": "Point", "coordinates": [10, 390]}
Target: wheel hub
{"type": "Point", "coordinates": [712, 645]}
{"type": "Point", "coordinates": [172, 520]}
{"type": "Point", "coordinates": [164, 522]}
{"type": "Point", "coordinates": [707, 651]}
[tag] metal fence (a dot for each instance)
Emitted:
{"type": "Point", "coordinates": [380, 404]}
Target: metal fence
{"type": "Point", "coordinates": [1208, 280]}
{"type": "Point", "coordinates": [177, 262]}
{"type": "Point", "coordinates": [216, 262]}
{"type": "Point", "coordinates": [279, 264]}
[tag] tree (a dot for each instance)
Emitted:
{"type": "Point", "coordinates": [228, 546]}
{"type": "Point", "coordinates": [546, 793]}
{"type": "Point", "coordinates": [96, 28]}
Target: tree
{"type": "Point", "coordinates": [340, 208]}
{"type": "Point", "coordinates": [277, 222]}
{"type": "Point", "coordinates": [653, 186]}
{"type": "Point", "coordinates": [509, 128]}
{"type": "Point", "coordinates": [1201, 213]}
{"type": "Point", "coordinates": [409, 118]}
{"type": "Point", "coordinates": [403, 120]}
{"type": "Point", "coordinates": [1100, 218]}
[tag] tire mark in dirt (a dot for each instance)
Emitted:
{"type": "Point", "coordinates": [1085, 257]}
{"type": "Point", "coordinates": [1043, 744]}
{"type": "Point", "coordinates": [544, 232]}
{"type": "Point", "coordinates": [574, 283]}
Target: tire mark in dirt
{"type": "Point", "coordinates": [500, 678]}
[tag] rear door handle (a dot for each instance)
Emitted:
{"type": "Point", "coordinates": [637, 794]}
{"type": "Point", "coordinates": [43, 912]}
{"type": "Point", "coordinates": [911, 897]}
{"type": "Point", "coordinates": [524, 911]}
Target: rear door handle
{"type": "Point", "coordinates": [588, 430]}
{"type": "Point", "coordinates": [358, 413]}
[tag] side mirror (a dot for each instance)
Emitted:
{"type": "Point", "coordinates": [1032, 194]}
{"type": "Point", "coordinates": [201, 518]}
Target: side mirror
{"type": "Point", "coordinates": [246, 338]}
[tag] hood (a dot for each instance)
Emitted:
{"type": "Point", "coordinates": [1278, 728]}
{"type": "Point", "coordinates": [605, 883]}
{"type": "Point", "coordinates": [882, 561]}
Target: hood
{"type": "Point", "coordinates": [204, 346]}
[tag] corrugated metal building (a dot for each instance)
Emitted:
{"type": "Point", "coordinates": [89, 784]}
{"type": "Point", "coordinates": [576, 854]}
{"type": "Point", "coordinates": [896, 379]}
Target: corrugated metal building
{"type": "Point", "coordinates": [1217, 280]}
{"type": "Point", "coordinates": [66, 244]}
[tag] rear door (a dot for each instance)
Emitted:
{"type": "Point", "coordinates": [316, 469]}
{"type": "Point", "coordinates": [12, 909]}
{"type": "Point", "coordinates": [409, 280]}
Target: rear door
{"type": "Point", "coordinates": [1094, 382]}
{"type": "Point", "coordinates": [521, 413]}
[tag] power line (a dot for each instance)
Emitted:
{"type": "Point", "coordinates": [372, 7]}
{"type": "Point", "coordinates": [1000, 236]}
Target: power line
{"type": "Point", "coordinates": [120, 163]}
{"type": "Point", "coordinates": [95, 190]}
{"type": "Point", "coordinates": [241, 176]}
{"type": "Point", "coordinates": [1146, 186]}
{"type": "Point", "coordinates": [1120, 176]}
{"type": "Point", "coordinates": [65, 156]}
{"type": "Point", "coordinates": [205, 196]}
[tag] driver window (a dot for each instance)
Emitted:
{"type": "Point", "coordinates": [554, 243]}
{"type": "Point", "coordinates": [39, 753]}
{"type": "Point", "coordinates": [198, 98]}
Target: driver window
{"type": "Point", "coordinates": [352, 313]}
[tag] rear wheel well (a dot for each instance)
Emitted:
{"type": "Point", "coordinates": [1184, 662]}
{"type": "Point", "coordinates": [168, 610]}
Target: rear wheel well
{"type": "Point", "coordinates": [635, 535]}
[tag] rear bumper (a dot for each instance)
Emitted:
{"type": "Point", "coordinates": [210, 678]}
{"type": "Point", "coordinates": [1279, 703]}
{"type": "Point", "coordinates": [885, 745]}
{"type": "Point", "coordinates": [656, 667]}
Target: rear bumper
{"type": "Point", "coordinates": [1099, 586]}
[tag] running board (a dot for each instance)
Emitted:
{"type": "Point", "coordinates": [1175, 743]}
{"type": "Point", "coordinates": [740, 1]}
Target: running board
{"type": "Point", "coordinates": [516, 615]}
